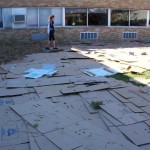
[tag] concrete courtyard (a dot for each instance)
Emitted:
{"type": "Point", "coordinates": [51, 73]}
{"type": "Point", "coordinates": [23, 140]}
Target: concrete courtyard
{"type": "Point", "coordinates": [54, 111]}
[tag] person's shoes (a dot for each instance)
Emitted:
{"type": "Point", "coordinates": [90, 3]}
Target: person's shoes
{"type": "Point", "coordinates": [55, 48]}
{"type": "Point", "coordinates": [47, 48]}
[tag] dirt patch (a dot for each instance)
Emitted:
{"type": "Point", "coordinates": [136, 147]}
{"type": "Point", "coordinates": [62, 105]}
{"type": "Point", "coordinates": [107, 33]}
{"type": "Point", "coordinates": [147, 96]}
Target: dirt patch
{"type": "Point", "coordinates": [16, 50]}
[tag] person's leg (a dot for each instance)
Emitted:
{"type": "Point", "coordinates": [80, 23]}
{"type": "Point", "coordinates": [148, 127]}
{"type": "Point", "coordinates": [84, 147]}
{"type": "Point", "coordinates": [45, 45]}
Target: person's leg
{"type": "Point", "coordinates": [54, 46]}
{"type": "Point", "coordinates": [48, 43]}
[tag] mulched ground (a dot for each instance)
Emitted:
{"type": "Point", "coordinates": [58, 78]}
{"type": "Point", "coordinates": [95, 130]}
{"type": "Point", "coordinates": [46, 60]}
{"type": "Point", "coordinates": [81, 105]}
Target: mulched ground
{"type": "Point", "coordinates": [16, 50]}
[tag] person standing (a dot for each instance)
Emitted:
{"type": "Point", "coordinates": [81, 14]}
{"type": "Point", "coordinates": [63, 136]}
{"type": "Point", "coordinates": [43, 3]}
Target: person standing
{"type": "Point", "coordinates": [51, 31]}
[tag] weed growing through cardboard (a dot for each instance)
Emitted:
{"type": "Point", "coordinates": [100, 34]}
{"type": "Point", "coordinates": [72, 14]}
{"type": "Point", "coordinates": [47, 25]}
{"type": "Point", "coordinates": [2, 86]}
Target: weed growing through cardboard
{"type": "Point", "coordinates": [96, 105]}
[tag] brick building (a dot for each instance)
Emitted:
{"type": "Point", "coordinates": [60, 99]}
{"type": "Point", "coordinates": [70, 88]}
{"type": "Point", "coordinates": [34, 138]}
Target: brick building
{"type": "Point", "coordinates": [75, 20]}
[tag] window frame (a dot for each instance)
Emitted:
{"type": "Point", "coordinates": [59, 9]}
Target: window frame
{"type": "Point", "coordinates": [147, 21]}
{"type": "Point", "coordinates": [138, 26]}
{"type": "Point", "coordinates": [28, 27]}
{"type": "Point", "coordinates": [77, 26]}
{"type": "Point", "coordinates": [2, 18]}
{"type": "Point", "coordinates": [119, 25]}
{"type": "Point", "coordinates": [63, 24]}
{"type": "Point", "coordinates": [98, 25]}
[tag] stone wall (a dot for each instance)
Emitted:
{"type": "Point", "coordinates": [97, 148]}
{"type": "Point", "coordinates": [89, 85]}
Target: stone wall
{"type": "Point", "coordinates": [134, 4]}
{"type": "Point", "coordinates": [66, 35]}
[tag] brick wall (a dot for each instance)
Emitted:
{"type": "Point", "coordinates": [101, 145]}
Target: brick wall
{"type": "Point", "coordinates": [72, 34]}
{"type": "Point", "coordinates": [135, 4]}
{"type": "Point", "coordinates": [66, 35]}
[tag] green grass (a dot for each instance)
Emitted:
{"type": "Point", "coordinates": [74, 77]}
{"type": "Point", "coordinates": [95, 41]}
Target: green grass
{"type": "Point", "coordinates": [126, 77]}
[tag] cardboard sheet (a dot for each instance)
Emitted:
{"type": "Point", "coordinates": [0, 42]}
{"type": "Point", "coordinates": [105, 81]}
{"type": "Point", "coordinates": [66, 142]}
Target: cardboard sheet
{"type": "Point", "coordinates": [96, 72]}
{"type": "Point", "coordinates": [137, 133]}
{"type": "Point", "coordinates": [133, 108]}
{"type": "Point", "coordinates": [113, 121]}
{"type": "Point", "coordinates": [12, 92]}
{"type": "Point", "coordinates": [119, 97]}
{"type": "Point", "coordinates": [16, 83]}
{"type": "Point", "coordinates": [25, 146]}
{"type": "Point", "coordinates": [90, 137]}
{"type": "Point", "coordinates": [49, 91]}
{"type": "Point", "coordinates": [13, 133]}
{"type": "Point", "coordinates": [139, 101]}
{"type": "Point", "coordinates": [43, 113]}
{"type": "Point", "coordinates": [125, 92]}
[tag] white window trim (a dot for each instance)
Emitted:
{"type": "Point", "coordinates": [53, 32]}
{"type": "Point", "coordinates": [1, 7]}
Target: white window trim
{"type": "Point", "coordinates": [63, 17]}
{"type": "Point", "coordinates": [129, 17]}
{"type": "Point", "coordinates": [109, 17]}
{"type": "Point", "coordinates": [38, 17]}
{"type": "Point", "coordinates": [147, 23]}
{"type": "Point", "coordinates": [2, 19]}
{"type": "Point", "coordinates": [87, 21]}
{"type": "Point", "coordinates": [87, 25]}
{"type": "Point", "coordinates": [13, 25]}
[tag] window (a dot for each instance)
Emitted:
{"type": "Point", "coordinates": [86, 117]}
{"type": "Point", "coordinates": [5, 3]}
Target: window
{"type": "Point", "coordinates": [19, 18]}
{"type": "Point", "coordinates": [76, 17]}
{"type": "Point", "coordinates": [19, 12]}
{"type": "Point", "coordinates": [44, 13]}
{"type": "Point", "coordinates": [57, 12]}
{"type": "Point", "coordinates": [98, 16]}
{"type": "Point", "coordinates": [7, 19]}
{"type": "Point", "coordinates": [138, 17]}
{"type": "Point", "coordinates": [32, 17]}
{"type": "Point", "coordinates": [120, 17]}
{"type": "Point", "coordinates": [1, 19]}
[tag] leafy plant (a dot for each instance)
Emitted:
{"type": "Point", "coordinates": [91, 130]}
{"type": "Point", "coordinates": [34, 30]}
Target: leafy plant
{"type": "Point", "coordinates": [96, 105]}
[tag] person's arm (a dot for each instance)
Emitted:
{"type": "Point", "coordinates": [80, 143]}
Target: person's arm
{"type": "Point", "coordinates": [48, 28]}
{"type": "Point", "coordinates": [53, 26]}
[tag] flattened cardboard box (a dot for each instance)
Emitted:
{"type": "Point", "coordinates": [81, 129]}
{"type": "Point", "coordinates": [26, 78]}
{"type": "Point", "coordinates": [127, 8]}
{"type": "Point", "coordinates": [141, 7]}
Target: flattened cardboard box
{"type": "Point", "coordinates": [16, 83]}
{"type": "Point", "coordinates": [78, 135]}
{"type": "Point", "coordinates": [12, 92]}
{"type": "Point", "coordinates": [137, 133]}
{"type": "Point", "coordinates": [133, 108]}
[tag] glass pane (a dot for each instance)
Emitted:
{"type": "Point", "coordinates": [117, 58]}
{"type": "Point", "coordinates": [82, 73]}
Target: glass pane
{"type": "Point", "coordinates": [57, 12]}
{"type": "Point", "coordinates": [7, 22]}
{"type": "Point", "coordinates": [120, 17]}
{"type": "Point", "coordinates": [75, 17]}
{"type": "Point", "coordinates": [32, 17]}
{"type": "Point", "coordinates": [98, 16]}
{"type": "Point", "coordinates": [1, 19]}
{"type": "Point", "coordinates": [44, 13]}
{"type": "Point", "coordinates": [138, 17]}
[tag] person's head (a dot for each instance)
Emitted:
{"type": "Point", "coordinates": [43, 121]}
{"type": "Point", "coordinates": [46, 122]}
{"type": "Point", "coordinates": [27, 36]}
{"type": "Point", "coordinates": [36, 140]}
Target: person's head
{"type": "Point", "coordinates": [51, 17]}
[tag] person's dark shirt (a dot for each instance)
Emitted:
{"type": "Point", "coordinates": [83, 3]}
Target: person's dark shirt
{"type": "Point", "coordinates": [51, 26]}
